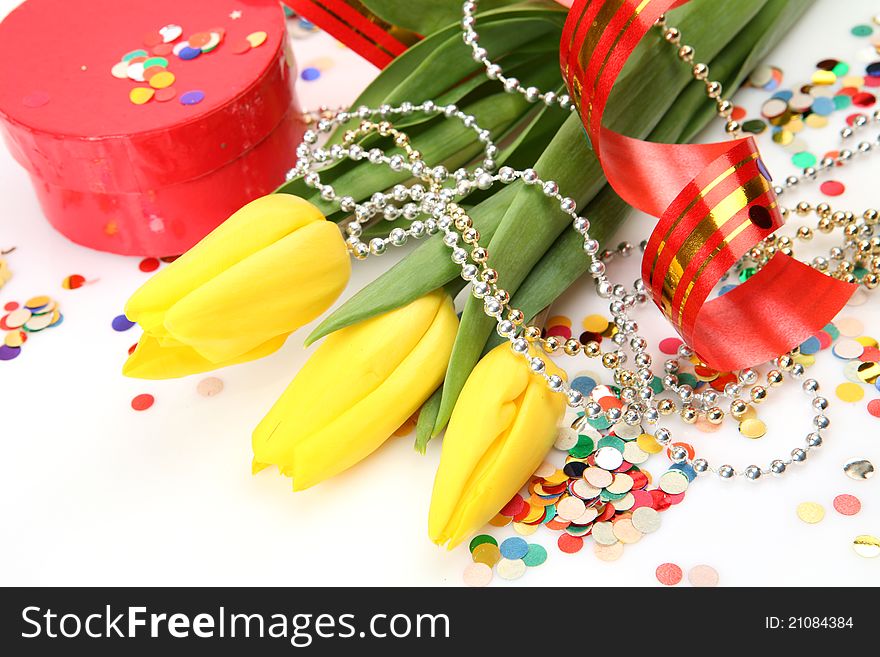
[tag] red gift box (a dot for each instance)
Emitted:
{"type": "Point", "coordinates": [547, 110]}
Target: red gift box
{"type": "Point", "coordinates": [151, 178]}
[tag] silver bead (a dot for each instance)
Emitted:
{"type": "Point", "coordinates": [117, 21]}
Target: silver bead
{"type": "Point", "coordinates": [820, 403]}
{"type": "Point", "coordinates": [777, 467]}
{"type": "Point", "coordinates": [700, 466]}
{"type": "Point", "coordinates": [574, 397]}
{"type": "Point", "coordinates": [550, 188]}
{"type": "Point", "coordinates": [821, 422]}
{"type": "Point", "coordinates": [752, 473]}
{"type": "Point", "coordinates": [810, 386]}
{"type": "Point", "coordinates": [814, 439]}
{"type": "Point", "coordinates": [663, 436]}
{"type": "Point", "coordinates": [530, 176]}
{"type": "Point", "coordinates": [507, 174]}
{"type": "Point", "coordinates": [377, 246]}
{"type": "Point", "coordinates": [726, 472]}
{"type": "Point", "coordinates": [614, 414]}
{"type": "Point", "coordinates": [555, 382]}
{"type": "Point", "coordinates": [678, 454]}
{"type": "Point", "coordinates": [798, 455]}
{"type": "Point", "coordinates": [520, 345]}
{"type": "Point", "coordinates": [397, 236]}
{"type": "Point", "coordinates": [537, 365]}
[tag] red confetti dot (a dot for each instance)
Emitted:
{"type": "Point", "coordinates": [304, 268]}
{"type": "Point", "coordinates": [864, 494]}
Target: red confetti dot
{"type": "Point", "coordinates": [132, 348]}
{"type": "Point", "coordinates": [570, 544]}
{"type": "Point", "coordinates": [870, 355]}
{"type": "Point", "coordinates": [832, 188]}
{"type": "Point", "coordinates": [874, 407]}
{"type": "Point", "coordinates": [10, 306]}
{"type": "Point", "coordinates": [738, 113]}
{"type": "Point", "coordinates": [847, 505]}
{"type": "Point", "coordinates": [142, 402]}
{"type": "Point", "coordinates": [668, 574]}
{"type": "Point", "coordinates": [514, 507]}
{"type": "Point", "coordinates": [824, 339]}
{"type": "Point", "coordinates": [670, 345]}
{"type": "Point", "coordinates": [864, 99]}
{"type": "Point", "coordinates": [75, 281]}
{"type": "Point", "coordinates": [559, 331]}
{"type": "Point", "coordinates": [149, 264]}
{"type": "Point", "coordinates": [872, 81]}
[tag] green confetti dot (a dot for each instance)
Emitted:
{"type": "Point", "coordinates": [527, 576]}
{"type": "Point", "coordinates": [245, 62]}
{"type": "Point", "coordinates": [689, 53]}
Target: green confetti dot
{"type": "Point", "coordinates": [657, 385]}
{"type": "Point", "coordinates": [842, 101]}
{"type": "Point", "coordinates": [535, 556]}
{"type": "Point", "coordinates": [803, 159]}
{"type": "Point", "coordinates": [599, 423]}
{"type": "Point", "coordinates": [862, 30]}
{"type": "Point", "coordinates": [687, 379]}
{"type": "Point", "coordinates": [840, 69]}
{"type": "Point", "coordinates": [612, 441]}
{"type": "Point", "coordinates": [754, 126]}
{"type": "Point", "coordinates": [747, 273]}
{"type": "Point", "coordinates": [584, 447]}
{"type": "Point", "coordinates": [479, 540]}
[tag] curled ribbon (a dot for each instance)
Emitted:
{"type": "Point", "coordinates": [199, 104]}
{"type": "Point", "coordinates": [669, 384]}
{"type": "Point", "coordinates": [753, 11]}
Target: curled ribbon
{"type": "Point", "coordinates": [714, 201]}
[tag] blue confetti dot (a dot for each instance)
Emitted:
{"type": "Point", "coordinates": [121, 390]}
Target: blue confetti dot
{"type": "Point", "coordinates": [122, 323]}
{"type": "Point", "coordinates": [811, 346]}
{"type": "Point", "coordinates": [785, 95]}
{"type": "Point", "coordinates": [306, 25]}
{"type": "Point", "coordinates": [725, 289]}
{"type": "Point", "coordinates": [823, 106]}
{"type": "Point", "coordinates": [310, 73]}
{"type": "Point", "coordinates": [192, 97]}
{"type": "Point", "coordinates": [583, 384]}
{"type": "Point", "coordinates": [685, 469]}
{"type": "Point", "coordinates": [189, 53]}
{"type": "Point", "coordinates": [514, 548]}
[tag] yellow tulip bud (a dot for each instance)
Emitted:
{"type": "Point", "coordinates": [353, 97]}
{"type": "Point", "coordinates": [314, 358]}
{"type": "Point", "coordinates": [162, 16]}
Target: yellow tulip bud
{"type": "Point", "coordinates": [392, 363]}
{"type": "Point", "coordinates": [273, 266]}
{"type": "Point", "coordinates": [502, 427]}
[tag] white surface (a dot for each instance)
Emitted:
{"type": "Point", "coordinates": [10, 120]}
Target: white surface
{"type": "Point", "coordinates": [94, 493]}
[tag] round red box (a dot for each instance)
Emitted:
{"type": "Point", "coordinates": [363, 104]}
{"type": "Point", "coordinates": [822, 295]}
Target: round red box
{"type": "Point", "coordinates": [150, 179]}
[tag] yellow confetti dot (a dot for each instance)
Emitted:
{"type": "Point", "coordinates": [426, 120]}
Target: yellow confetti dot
{"type": "Point", "coordinates": [810, 512]}
{"type": "Point", "coordinates": [257, 39]}
{"type": "Point", "coordinates": [647, 443]}
{"type": "Point", "coordinates": [824, 77]}
{"type": "Point", "coordinates": [867, 341]}
{"type": "Point", "coordinates": [523, 529]}
{"type": "Point", "coordinates": [486, 553]}
{"type": "Point", "coordinates": [850, 392]}
{"type": "Point", "coordinates": [807, 360]}
{"type": "Point", "coordinates": [852, 81]}
{"type": "Point", "coordinates": [795, 125]}
{"type": "Point", "coordinates": [13, 339]}
{"type": "Point", "coordinates": [595, 324]}
{"type": "Point", "coordinates": [816, 121]}
{"type": "Point", "coordinates": [141, 95]}
{"type": "Point", "coordinates": [559, 320]}
{"type": "Point", "coordinates": [162, 80]}
{"type": "Point", "coordinates": [499, 521]}
{"type": "Point", "coordinates": [752, 428]}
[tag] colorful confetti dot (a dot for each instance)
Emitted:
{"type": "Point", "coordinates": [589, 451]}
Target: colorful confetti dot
{"type": "Point", "coordinates": [810, 512]}
{"type": "Point", "coordinates": [122, 323]}
{"type": "Point", "coordinates": [148, 264]}
{"type": "Point", "coordinates": [477, 574]}
{"type": "Point", "coordinates": [192, 97]}
{"type": "Point", "coordinates": [514, 548]}
{"type": "Point", "coordinates": [480, 540]}
{"type": "Point", "coordinates": [847, 505]}
{"type": "Point", "coordinates": [570, 544]}
{"type": "Point", "coordinates": [874, 407]}
{"type": "Point", "coordinates": [832, 188]}
{"type": "Point", "coordinates": [142, 402]}
{"type": "Point", "coordinates": [669, 574]}
{"type": "Point", "coordinates": [210, 386]}
{"type": "Point", "coordinates": [536, 555]}
{"type": "Point", "coordinates": [310, 74]}
{"type": "Point", "coordinates": [703, 576]}
{"type": "Point", "coordinates": [850, 392]}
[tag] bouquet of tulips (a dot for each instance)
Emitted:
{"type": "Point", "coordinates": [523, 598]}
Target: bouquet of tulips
{"type": "Point", "coordinates": [283, 256]}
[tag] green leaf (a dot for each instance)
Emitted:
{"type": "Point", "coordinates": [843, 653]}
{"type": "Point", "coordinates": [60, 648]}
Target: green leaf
{"type": "Point", "coordinates": [430, 16]}
{"type": "Point", "coordinates": [427, 417]}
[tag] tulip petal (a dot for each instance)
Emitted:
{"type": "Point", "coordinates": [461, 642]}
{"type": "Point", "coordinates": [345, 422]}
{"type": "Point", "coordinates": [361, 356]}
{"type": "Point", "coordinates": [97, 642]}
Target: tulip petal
{"type": "Point", "coordinates": [503, 425]}
{"type": "Point", "coordinates": [151, 360]}
{"type": "Point", "coordinates": [271, 292]}
{"type": "Point", "coordinates": [255, 226]}
{"type": "Point", "coordinates": [393, 363]}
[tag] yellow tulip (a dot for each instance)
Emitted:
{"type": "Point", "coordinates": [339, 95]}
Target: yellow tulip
{"type": "Point", "coordinates": [391, 364]}
{"type": "Point", "coordinates": [502, 427]}
{"type": "Point", "coordinates": [273, 266]}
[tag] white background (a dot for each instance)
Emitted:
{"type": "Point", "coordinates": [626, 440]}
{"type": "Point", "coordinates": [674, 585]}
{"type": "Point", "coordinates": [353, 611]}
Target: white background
{"type": "Point", "coordinates": [94, 493]}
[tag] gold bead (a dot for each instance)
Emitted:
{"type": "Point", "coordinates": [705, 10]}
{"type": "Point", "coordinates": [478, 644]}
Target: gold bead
{"type": "Point", "coordinates": [871, 281]}
{"type": "Point", "coordinates": [688, 414]}
{"type": "Point", "coordinates": [713, 89]}
{"type": "Point", "coordinates": [738, 408]}
{"type": "Point", "coordinates": [686, 54]}
{"type": "Point", "coordinates": [732, 127]}
{"type": "Point", "coordinates": [489, 276]}
{"type": "Point", "coordinates": [551, 344]}
{"type": "Point", "coordinates": [516, 316]}
{"type": "Point", "coordinates": [787, 251]}
{"type": "Point", "coordinates": [758, 394]}
{"type": "Point", "coordinates": [803, 208]}
{"type": "Point", "coordinates": [572, 347]}
{"type": "Point", "coordinates": [871, 217]}
{"type": "Point", "coordinates": [825, 225]}
{"type": "Point", "coordinates": [823, 210]}
{"type": "Point", "coordinates": [672, 35]}
{"type": "Point", "coordinates": [503, 296]}
{"type": "Point", "coordinates": [839, 218]}
{"type": "Point", "coordinates": [774, 378]}
{"type": "Point", "coordinates": [666, 407]}
{"type": "Point", "coordinates": [592, 349]}
{"type": "Point", "coordinates": [463, 222]}
{"type": "Point", "coordinates": [700, 71]}
{"type": "Point", "coordinates": [724, 108]}
{"type": "Point", "coordinates": [786, 362]}
{"type": "Point", "coordinates": [609, 360]}
{"type": "Point", "coordinates": [471, 236]}
{"type": "Point", "coordinates": [805, 233]}
{"type": "Point", "coordinates": [715, 415]}
{"type": "Point", "coordinates": [479, 254]}
{"type": "Point", "coordinates": [849, 278]}
{"type": "Point", "coordinates": [532, 332]}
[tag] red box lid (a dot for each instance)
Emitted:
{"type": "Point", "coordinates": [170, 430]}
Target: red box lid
{"type": "Point", "coordinates": [71, 122]}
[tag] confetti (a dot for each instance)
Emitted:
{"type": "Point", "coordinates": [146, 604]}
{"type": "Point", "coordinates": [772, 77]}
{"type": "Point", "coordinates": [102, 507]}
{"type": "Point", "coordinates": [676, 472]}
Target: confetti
{"type": "Point", "coordinates": [859, 469]}
{"type": "Point", "coordinates": [849, 392]}
{"type": "Point", "coordinates": [832, 188]}
{"type": "Point", "coordinates": [668, 574]}
{"type": "Point", "coordinates": [536, 555]}
{"type": "Point", "coordinates": [121, 323]}
{"type": "Point", "coordinates": [477, 574]}
{"type": "Point", "coordinates": [703, 576]}
{"type": "Point", "coordinates": [73, 282]}
{"type": "Point", "coordinates": [752, 428]}
{"type": "Point", "coordinates": [511, 568]}
{"type": "Point", "coordinates": [192, 97]}
{"type": "Point", "coordinates": [256, 39]}
{"type": "Point", "coordinates": [608, 552]}
{"type": "Point", "coordinates": [142, 402]}
{"type": "Point", "coordinates": [570, 544]}
{"type": "Point", "coordinates": [847, 505]}
{"type": "Point", "coordinates": [481, 540]}
{"type": "Point", "coordinates": [310, 74]}
{"type": "Point", "coordinates": [148, 264]}
{"type": "Point", "coordinates": [514, 548]}
{"type": "Point", "coordinates": [874, 407]}
{"type": "Point", "coordinates": [810, 512]}
{"type": "Point", "coordinates": [486, 553]}
{"type": "Point", "coordinates": [867, 546]}
{"type": "Point", "coordinates": [210, 386]}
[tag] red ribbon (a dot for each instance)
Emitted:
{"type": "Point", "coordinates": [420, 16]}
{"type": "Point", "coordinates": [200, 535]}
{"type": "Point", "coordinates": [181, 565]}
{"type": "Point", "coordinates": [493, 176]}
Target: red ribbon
{"type": "Point", "coordinates": [715, 202]}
